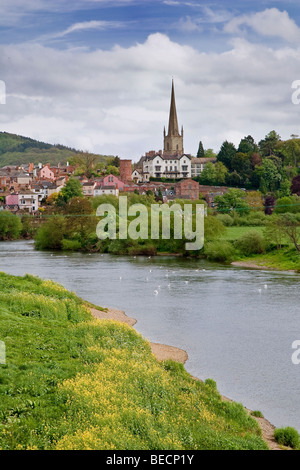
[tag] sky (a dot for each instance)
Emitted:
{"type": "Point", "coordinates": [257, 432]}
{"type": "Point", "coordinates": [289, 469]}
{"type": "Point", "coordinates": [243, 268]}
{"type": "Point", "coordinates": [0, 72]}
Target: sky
{"type": "Point", "coordinates": [96, 75]}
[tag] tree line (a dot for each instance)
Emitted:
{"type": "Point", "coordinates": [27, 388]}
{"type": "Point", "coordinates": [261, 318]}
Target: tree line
{"type": "Point", "coordinates": [270, 166]}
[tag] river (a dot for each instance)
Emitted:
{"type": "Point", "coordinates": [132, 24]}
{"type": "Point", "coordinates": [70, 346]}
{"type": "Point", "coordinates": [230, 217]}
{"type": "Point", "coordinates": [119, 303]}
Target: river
{"type": "Point", "coordinates": [237, 325]}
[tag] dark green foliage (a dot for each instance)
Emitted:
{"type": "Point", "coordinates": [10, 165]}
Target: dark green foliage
{"type": "Point", "coordinates": [200, 153]}
{"type": "Point", "coordinates": [287, 437]}
{"type": "Point", "coordinates": [227, 152]}
{"type": "Point", "coordinates": [10, 226]}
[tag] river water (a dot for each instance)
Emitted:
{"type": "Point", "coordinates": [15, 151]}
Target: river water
{"type": "Point", "coordinates": [237, 325]}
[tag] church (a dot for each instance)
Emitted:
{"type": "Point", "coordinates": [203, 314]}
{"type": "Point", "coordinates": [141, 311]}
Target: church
{"type": "Point", "coordinates": [170, 163]}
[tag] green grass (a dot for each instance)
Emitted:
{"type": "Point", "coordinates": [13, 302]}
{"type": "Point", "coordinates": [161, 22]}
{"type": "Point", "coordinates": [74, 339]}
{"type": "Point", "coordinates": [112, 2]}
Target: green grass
{"type": "Point", "coordinates": [233, 233]}
{"type": "Point", "coordinates": [73, 382]}
{"type": "Point", "coordinates": [284, 259]}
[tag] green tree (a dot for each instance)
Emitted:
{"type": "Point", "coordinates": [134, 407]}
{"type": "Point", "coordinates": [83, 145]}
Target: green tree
{"type": "Point", "coordinates": [290, 204]}
{"type": "Point", "coordinates": [226, 153]}
{"type": "Point", "coordinates": [73, 188]}
{"type": "Point", "coordinates": [50, 234]}
{"type": "Point", "coordinates": [80, 221]}
{"type": "Point", "coordinates": [200, 153]}
{"type": "Point", "coordinates": [112, 170]}
{"type": "Point", "coordinates": [241, 163]}
{"type": "Point", "coordinates": [269, 143]}
{"type": "Point", "coordinates": [233, 200]}
{"type": "Point", "coordinates": [208, 175]}
{"type": "Point", "coordinates": [247, 145]}
{"type": "Point", "coordinates": [290, 150]}
{"type": "Point", "coordinates": [290, 224]}
{"type": "Point", "coordinates": [10, 226]}
{"type": "Point", "coordinates": [87, 163]}
{"type": "Point", "coordinates": [209, 153]}
{"type": "Point", "coordinates": [266, 176]}
{"type": "Point", "coordinates": [221, 173]}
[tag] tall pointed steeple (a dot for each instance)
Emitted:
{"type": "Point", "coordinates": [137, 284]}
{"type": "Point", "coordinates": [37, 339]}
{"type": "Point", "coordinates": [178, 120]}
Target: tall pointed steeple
{"type": "Point", "coordinates": [173, 122]}
{"type": "Point", "coordinates": [173, 141]}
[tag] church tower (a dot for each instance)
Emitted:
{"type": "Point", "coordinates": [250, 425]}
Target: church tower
{"type": "Point", "coordinates": [173, 141]}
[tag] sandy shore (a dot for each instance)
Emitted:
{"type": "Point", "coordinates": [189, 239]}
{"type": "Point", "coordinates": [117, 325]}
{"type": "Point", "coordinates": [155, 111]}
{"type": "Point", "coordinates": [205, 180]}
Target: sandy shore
{"type": "Point", "coordinates": [249, 264]}
{"type": "Point", "coordinates": [163, 352]}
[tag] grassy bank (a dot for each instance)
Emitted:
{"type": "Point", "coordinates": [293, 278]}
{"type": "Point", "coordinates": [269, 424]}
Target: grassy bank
{"type": "Point", "coordinates": [73, 382]}
{"type": "Point", "coordinates": [254, 247]}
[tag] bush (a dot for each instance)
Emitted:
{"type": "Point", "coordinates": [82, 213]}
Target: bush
{"type": "Point", "coordinates": [287, 437]}
{"type": "Point", "coordinates": [251, 243]}
{"type": "Point", "coordinates": [219, 251]}
{"type": "Point", "coordinates": [255, 219]}
{"type": "Point", "coordinates": [50, 234]}
{"type": "Point", "coordinates": [226, 219]}
{"type": "Point", "coordinates": [10, 226]}
{"type": "Point", "coordinates": [73, 245]}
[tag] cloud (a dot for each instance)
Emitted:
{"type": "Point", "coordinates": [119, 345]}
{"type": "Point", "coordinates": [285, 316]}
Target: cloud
{"type": "Point", "coordinates": [188, 24]}
{"type": "Point", "coordinates": [117, 101]}
{"type": "Point", "coordinates": [270, 22]}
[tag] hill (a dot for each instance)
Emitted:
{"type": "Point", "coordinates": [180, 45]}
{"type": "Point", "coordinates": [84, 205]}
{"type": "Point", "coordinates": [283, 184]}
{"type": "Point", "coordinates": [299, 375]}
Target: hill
{"type": "Point", "coordinates": [18, 150]}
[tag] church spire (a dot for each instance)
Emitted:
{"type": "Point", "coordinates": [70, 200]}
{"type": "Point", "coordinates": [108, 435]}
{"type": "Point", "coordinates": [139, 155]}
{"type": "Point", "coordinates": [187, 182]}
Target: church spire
{"type": "Point", "coordinates": [173, 122]}
{"type": "Point", "coordinates": [173, 141]}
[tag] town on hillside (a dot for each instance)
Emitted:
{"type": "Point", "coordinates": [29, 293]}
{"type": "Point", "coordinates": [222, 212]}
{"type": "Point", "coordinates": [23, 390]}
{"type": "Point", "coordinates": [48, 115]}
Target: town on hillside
{"type": "Point", "coordinates": [271, 166]}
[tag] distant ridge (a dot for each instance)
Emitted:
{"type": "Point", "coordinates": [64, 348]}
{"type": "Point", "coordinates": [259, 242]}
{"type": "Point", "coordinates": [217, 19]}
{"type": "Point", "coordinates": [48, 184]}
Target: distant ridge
{"type": "Point", "coordinates": [18, 150]}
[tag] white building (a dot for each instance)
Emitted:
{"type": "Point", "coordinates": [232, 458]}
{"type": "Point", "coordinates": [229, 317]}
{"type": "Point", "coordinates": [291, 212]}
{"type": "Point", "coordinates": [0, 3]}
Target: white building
{"type": "Point", "coordinates": [101, 189]}
{"type": "Point", "coordinates": [167, 166]}
{"type": "Point", "coordinates": [28, 201]}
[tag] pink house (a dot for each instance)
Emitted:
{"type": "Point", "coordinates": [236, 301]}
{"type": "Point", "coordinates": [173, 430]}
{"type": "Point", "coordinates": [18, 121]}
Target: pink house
{"type": "Point", "coordinates": [46, 173]}
{"type": "Point", "coordinates": [12, 200]}
{"type": "Point", "coordinates": [112, 180]}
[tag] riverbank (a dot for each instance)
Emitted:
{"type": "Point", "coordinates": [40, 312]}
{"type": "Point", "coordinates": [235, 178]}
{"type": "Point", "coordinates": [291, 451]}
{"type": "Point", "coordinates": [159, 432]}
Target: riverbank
{"type": "Point", "coordinates": [164, 352]}
{"type": "Point", "coordinates": [71, 381]}
{"type": "Point", "coordinates": [279, 260]}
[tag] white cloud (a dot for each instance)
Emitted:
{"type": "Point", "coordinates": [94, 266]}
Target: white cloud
{"type": "Point", "coordinates": [117, 101]}
{"type": "Point", "coordinates": [270, 22]}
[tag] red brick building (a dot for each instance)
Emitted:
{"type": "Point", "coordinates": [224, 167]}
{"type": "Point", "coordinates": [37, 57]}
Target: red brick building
{"type": "Point", "coordinates": [187, 189]}
{"type": "Point", "coordinates": [125, 171]}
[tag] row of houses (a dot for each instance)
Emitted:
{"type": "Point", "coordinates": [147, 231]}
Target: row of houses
{"type": "Point", "coordinates": [158, 165]}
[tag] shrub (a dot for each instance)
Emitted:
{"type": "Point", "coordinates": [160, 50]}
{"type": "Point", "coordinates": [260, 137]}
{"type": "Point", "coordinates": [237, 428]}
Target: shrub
{"type": "Point", "coordinates": [219, 251]}
{"type": "Point", "coordinates": [50, 234]}
{"type": "Point", "coordinates": [10, 226]}
{"type": "Point", "coordinates": [251, 243]}
{"type": "Point", "coordinates": [226, 219]}
{"type": "Point", "coordinates": [256, 218]}
{"type": "Point", "coordinates": [287, 437]}
{"type": "Point", "coordinates": [73, 245]}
